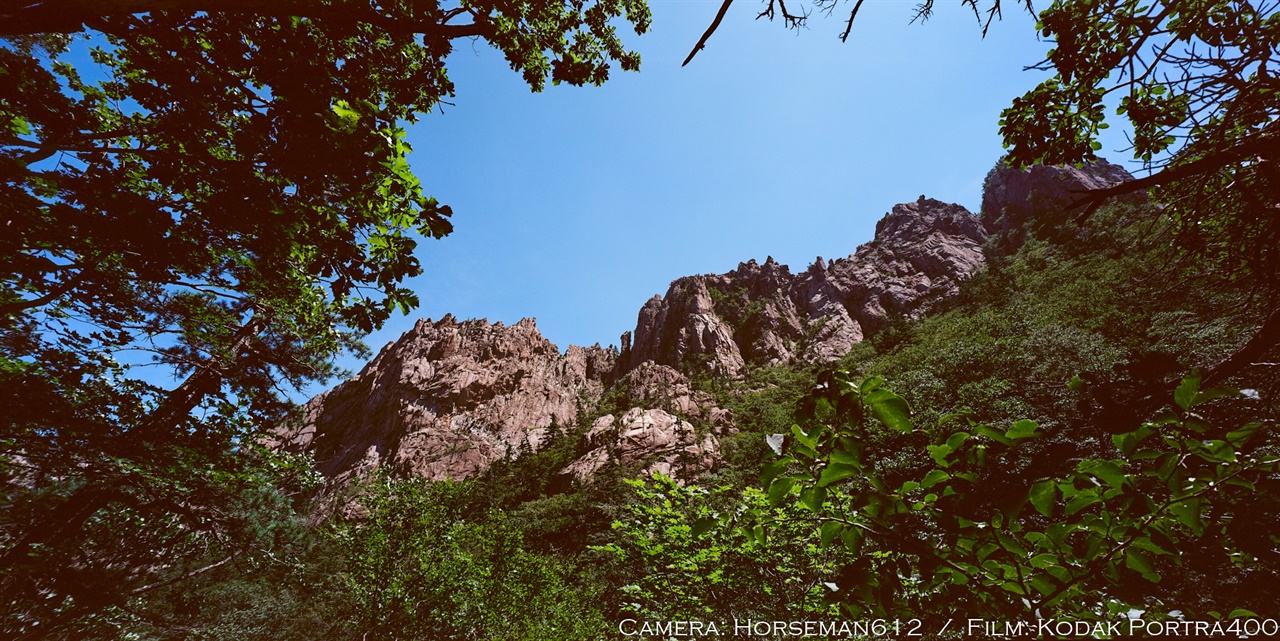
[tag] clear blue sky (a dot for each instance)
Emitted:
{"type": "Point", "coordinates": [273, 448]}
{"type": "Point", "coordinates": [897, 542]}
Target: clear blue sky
{"type": "Point", "coordinates": [576, 205]}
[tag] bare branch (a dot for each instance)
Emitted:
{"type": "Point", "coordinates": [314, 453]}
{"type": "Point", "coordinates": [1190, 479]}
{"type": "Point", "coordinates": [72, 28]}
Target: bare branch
{"type": "Point", "coordinates": [715, 24]}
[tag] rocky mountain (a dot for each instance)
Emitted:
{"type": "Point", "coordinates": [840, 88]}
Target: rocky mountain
{"type": "Point", "coordinates": [450, 397]}
{"type": "Point", "coordinates": [762, 314]}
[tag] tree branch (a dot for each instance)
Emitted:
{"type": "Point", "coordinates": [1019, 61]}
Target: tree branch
{"type": "Point", "coordinates": [70, 16]}
{"type": "Point", "coordinates": [715, 24]}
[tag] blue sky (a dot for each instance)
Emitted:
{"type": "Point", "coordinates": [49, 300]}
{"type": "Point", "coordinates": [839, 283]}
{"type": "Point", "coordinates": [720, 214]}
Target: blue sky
{"type": "Point", "coordinates": [575, 205]}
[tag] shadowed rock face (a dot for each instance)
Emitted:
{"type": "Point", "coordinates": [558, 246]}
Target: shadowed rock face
{"type": "Point", "coordinates": [762, 314]}
{"type": "Point", "coordinates": [1043, 193]}
{"type": "Point", "coordinates": [449, 398]}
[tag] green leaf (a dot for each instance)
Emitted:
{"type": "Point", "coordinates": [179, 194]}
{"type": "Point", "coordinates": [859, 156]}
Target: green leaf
{"type": "Point", "coordinates": [1188, 513]}
{"type": "Point", "coordinates": [1137, 561]}
{"type": "Point", "coordinates": [813, 497]}
{"type": "Point", "coordinates": [1043, 584]}
{"type": "Point", "coordinates": [1185, 395]}
{"type": "Point", "coordinates": [829, 531]}
{"type": "Point", "coordinates": [1042, 496]}
{"type": "Point", "coordinates": [780, 488]}
{"type": "Point", "coordinates": [870, 384]}
{"type": "Point", "coordinates": [1011, 544]}
{"type": "Point", "coordinates": [1081, 501]}
{"type": "Point", "coordinates": [939, 453]}
{"type": "Point", "coordinates": [993, 434]}
{"type": "Point", "coordinates": [835, 473]}
{"type": "Point", "coordinates": [1108, 471]}
{"type": "Point", "coordinates": [772, 469]}
{"type": "Point", "coordinates": [1240, 613]}
{"type": "Point", "coordinates": [1128, 441]}
{"type": "Point", "coordinates": [804, 439]}
{"type": "Point", "coordinates": [890, 409]}
{"type": "Point", "coordinates": [1239, 436]}
{"type": "Point", "coordinates": [852, 538]}
{"type": "Point", "coordinates": [1022, 429]}
{"type": "Point", "coordinates": [844, 458]}
{"type": "Point", "coordinates": [933, 478]}
{"type": "Point", "coordinates": [702, 526]}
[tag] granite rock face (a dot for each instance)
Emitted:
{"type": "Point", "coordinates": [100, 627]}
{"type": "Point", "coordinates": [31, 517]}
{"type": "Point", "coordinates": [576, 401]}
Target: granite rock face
{"type": "Point", "coordinates": [448, 399]}
{"type": "Point", "coordinates": [763, 314]}
{"type": "Point", "coordinates": [665, 443]}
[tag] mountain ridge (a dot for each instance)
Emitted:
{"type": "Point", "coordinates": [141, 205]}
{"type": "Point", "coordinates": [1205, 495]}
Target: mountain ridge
{"type": "Point", "coordinates": [449, 397]}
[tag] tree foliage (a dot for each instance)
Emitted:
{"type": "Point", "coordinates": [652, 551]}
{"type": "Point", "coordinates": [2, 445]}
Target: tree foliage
{"type": "Point", "coordinates": [224, 191]}
{"type": "Point", "coordinates": [1197, 82]}
{"type": "Point", "coordinates": [418, 569]}
{"type": "Point", "coordinates": [1181, 495]}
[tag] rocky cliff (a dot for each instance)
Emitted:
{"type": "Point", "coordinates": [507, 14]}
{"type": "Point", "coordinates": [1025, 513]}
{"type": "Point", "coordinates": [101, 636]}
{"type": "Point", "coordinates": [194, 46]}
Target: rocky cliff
{"type": "Point", "coordinates": [449, 398]}
{"type": "Point", "coordinates": [762, 314]}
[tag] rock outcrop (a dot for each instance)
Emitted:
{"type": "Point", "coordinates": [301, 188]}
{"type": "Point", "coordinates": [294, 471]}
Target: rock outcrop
{"type": "Point", "coordinates": [1041, 193]}
{"type": "Point", "coordinates": [762, 314]}
{"type": "Point", "coordinates": [663, 442]}
{"type": "Point", "coordinates": [447, 399]}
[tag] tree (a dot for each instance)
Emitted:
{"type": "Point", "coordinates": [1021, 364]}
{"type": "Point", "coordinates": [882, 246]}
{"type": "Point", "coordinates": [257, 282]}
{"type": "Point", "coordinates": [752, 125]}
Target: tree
{"type": "Point", "coordinates": [1181, 494]}
{"type": "Point", "coordinates": [226, 190]}
{"type": "Point", "coordinates": [419, 569]}
{"type": "Point", "coordinates": [1197, 82]}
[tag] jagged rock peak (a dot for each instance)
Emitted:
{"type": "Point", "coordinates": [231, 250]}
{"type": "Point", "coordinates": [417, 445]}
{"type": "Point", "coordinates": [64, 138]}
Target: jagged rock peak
{"type": "Point", "coordinates": [761, 313]}
{"type": "Point", "coordinates": [448, 399]}
{"type": "Point", "coordinates": [911, 222]}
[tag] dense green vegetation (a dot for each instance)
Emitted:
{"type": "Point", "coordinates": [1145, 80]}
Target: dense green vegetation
{"type": "Point", "coordinates": [1088, 430]}
{"type": "Point", "coordinates": [1033, 465]}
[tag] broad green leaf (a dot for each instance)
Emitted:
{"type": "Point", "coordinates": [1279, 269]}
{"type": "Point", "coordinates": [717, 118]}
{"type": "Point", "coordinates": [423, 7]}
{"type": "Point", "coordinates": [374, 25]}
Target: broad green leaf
{"type": "Point", "coordinates": [1185, 395]}
{"type": "Point", "coordinates": [780, 488]}
{"type": "Point", "coordinates": [1188, 513]}
{"type": "Point", "coordinates": [1043, 560]}
{"type": "Point", "coordinates": [1081, 501]}
{"type": "Point", "coordinates": [772, 469]}
{"type": "Point", "coordinates": [844, 458]}
{"type": "Point", "coordinates": [1239, 436]}
{"type": "Point", "coordinates": [1108, 471]}
{"type": "Point", "coordinates": [829, 531]}
{"type": "Point", "coordinates": [702, 525]}
{"type": "Point", "coordinates": [835, 473]}
{"type": "Point", "coordinates": [890, 409]}
{"type": "Point", "coordinates": [1008, 542]}
{"type": "Point", "coordinates": [1042, 496]}
{"type": "Point", "coordinates": [1043, 584]}
{"type": "Point", "coordinates": [852, 538]}
{"type": "Point", "coordinates": [1022, 429]}
{"type": "Point", "coordinates": [940, 454]}
{"type": "Point", "coordinates": [870, 384]}
{"type": "Point", "coordinates": [993, 434]}
{"type": "Point", "coordinates": [1137, 561]}
{"type": "Point", "coordinates": [805, 439]}
{"type": "Point", "coordinates": [813, 497]}
{"type": "Point", "coordinates": [933, 478]}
